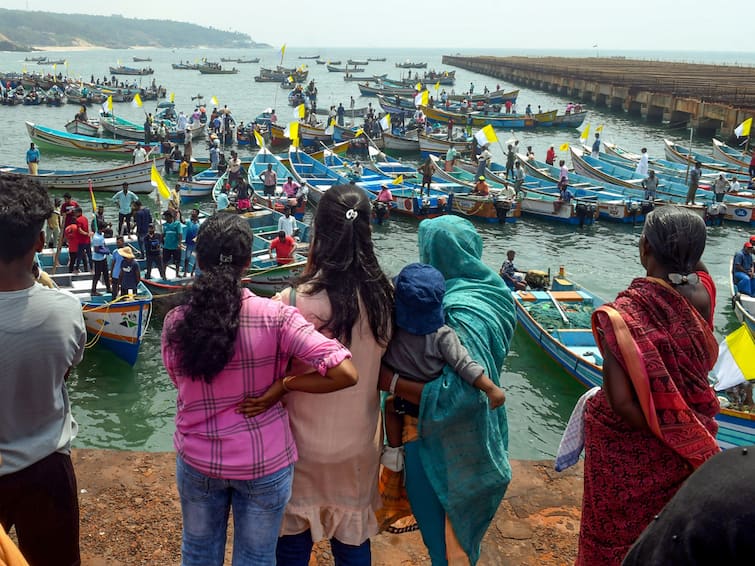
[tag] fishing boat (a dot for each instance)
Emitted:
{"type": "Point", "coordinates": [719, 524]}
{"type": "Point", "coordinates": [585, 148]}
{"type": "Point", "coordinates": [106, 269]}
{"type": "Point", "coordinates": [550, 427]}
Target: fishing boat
{"type": "Point", "coordinates": [46, 61]}
{"type": "Point", "coordinates": [726, 154]}
{"type": "Point", "coordinates": [125, 129]}
{"type": "Point", "coordinates": [357, 62]}
{"type": "Point", "coordinates": [315, 174]}
{"type": "Point", "coordinates": [83, 128]}
{"type": "Point", "coordinates": [57, 140]}
{"type": "Point", "coordinates": [744, 305]}
{"type": "Point", "coordinates": [335, 69]}
{"type": "Point", "coordinates": [115, 323]}
{"type": "Point", "coordinates": [572, 120]}
{"type": "Point", "coordinates": [122, 70]}
{"type": "Point", "coordinates": [361, 79]}
{"type": "Point", "coordinates": [559, 321]}
{"type": "Point", "coordinates": [408, 143]}
{"type": "Point", "coordinates": [432, 145]}
{"type": "Point", "coordinates": [216, 69]}
{"type": "Point", "coordinates": [200, 186]}
{"type": "Point", "coordinates": [481, 119]}
{"type": "Point", "coordinates": [185, 66]}
{"type": "Point", "coordinates": [307, 57]}
{"type": "Point", "coordinates": [104, 180]}
{"type": "Point", "coordinates": [35, 59]}
{"type": "Point", "coordinates": [411, 65]}
{"type": "Point", "coordinates": [250, 60]}
{"type": "Point", "coordinates": [493, 97]}
{"type": "Point", "coordinates": [365, 89]}
{"type": "Point", "coordinates": [681, 154]}
{"type": "Point", "coordinates": [279, 202]}
{"type": "Point", "coordinates": [376, 59]}
{"type": "Point", "coordinates": [141, 59]}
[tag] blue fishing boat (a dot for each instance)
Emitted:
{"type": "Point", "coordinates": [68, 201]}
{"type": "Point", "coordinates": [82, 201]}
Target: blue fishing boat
{"type": "Point", "coordinates": [681, 154]}
{"type": "Point", "coordinates": [315, 174]}
{"type": "Point", "coordinates": [200, 186]}
{"type": "Point", "coordinates": [726, 154]}
{"type": "Point", "coordinates": [559, 321]}
{"type": "Point", "coordinates": [57, 140]}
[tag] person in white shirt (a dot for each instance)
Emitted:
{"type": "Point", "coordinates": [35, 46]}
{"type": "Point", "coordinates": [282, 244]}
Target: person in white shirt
{"type": "Point", "coordinates": [287, 223]}
{"type": "Point", "coordinates": [642, 165]}
{"type": "Point", "coordinates": [735, 186]}
{"type": "Point", "coordinates": [140, 154]}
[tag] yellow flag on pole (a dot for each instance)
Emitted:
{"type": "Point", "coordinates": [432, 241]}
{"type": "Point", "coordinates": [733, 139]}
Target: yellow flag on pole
{"type": "Point", "coordinates": [172, 97]}
{"type": "Point", "coordinates": [110, 103]}
{"type": "Point", "coordinates": [422, 98]}
{"type": "Point", "coordinates": [283, 50]}
{"type": "Point", "coordinates": [564, 147]}
{"type": "Point", "coordinates": [486, 135]}
{"type": "Point", "coordinates": [292, 132]}
{"type": "Point", "coordinates": [300, 112]}
{"type": "Point", "coordinates": [137, 101]}
{"type": "Point", "coordinates": [54, 67]}
{"type": "Point", "coordinates": [585, 133]}
{"type": "Point", "coordinates": [398, 180]}
{"type": "Point", "coordinates": [437, 86]}
{"type": "Point", "coordinates": [159, 183]}
{"type": "Point", "coordinates": [418, 87]}
{"type": "Point", "coordinates": [214, 101]}
{"type": "Point", "coordinates": [358, 133]}
{"type": "Point", "coordinates": [743, 130]}
{"type": "Point", "coordinates": [599, 129]}
{"type": "Point", "coordinates": [290, 79]}
{"type": "Point", "coordinates": [259, 139]}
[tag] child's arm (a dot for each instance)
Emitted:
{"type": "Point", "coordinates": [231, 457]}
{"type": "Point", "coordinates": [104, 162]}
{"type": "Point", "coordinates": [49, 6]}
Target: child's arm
{"type": "Point", "coordinates": [496, 395]}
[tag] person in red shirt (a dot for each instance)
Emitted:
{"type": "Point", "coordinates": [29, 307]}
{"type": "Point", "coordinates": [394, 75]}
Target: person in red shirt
{"type": "Point", "coordinates": [550, 156]}
{"type": "Point", "coordinates": [67, 214]}
{"type": "Point", "coordinates": [84, 253]}
{"type": "Point", "coordinates": [71, 235]}
{"type": "Point", "coordinates": [284, 247]}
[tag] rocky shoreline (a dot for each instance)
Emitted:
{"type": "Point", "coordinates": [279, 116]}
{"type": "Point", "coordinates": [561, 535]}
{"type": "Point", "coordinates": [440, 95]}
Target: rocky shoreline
{"type": "Point", "coordinates": [130, 515]}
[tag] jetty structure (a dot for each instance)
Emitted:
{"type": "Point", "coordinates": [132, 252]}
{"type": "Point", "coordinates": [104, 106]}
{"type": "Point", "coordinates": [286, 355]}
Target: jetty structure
{"type": "Point", "coordinates": [710, 98]}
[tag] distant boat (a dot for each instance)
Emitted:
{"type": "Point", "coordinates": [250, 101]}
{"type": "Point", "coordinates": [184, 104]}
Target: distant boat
{"type": "Point", "coordinates": [309, 56]}
{"type": "Point", "coordinates": [123, 70]}
{"type": "Point", "coordinates": [35, 59]}
{"type": "Point", "coordinates": [411, 65]}
{"type": "Point", "coordinates": [334, 69]}
{"type": "Point", "coordinates": [357, 62]}
{"type": "Point", "coordinates": [83, 128]}
{"type": "Point", "coordinates": [46, 61]}
{"type": "Point", "coordinates": [185, 66]}
{"type": "Point", "coordinates": [376, 59]}
{"type": "Point", "coordinates": [216, 69]}
{"type": "Point", "coordinates": [142, 59]}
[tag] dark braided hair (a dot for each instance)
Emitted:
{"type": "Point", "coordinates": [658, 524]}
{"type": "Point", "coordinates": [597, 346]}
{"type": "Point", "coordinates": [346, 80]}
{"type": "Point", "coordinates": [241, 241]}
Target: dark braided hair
{"type": "Point", "coordinates": [342, 262]}
{"type": "Point", "coordinates": [206, 335]}
{"type": "Point", "coordinates": [677, 238]}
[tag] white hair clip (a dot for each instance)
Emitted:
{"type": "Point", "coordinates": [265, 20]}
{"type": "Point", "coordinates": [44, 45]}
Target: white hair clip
{"type": "Point", "coordinates": [226, 258]}
{"type": "Point", "coordinates": [683, 279]}
{"type": "Point", "coordinates": [351, 214]}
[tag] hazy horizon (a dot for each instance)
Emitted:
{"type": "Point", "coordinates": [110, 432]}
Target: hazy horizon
{"type": "Point", "coordinates": [488, 25]}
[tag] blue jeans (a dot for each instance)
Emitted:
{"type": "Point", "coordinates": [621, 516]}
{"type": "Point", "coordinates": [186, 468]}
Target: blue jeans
{"type": "Point", "coordinates": [295, 550]}
{"type": "Point", "coordinates": [744, 283]}
{"type": "Point", "coordinates": [257, 506]}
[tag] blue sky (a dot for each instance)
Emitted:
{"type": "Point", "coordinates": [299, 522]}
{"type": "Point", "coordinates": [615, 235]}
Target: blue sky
{"type": "Point", "coordinates": [692, 25]}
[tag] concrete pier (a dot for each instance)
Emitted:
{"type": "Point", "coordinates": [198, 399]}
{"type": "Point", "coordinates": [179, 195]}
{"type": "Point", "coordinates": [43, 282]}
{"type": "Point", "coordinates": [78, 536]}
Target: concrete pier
{"type": "Point", "coordinates": [709, 98]}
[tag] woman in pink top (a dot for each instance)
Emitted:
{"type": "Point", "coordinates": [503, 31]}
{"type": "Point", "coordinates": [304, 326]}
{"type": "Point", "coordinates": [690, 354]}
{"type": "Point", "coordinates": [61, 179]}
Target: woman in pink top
{"type": "Point", "coordinates": [221, 346]}
{"type": "Point", "coordinates": [345, 294]}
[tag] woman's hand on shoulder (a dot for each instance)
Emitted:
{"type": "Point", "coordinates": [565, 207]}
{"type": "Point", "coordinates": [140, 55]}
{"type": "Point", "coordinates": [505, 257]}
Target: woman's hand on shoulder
{"type": "Point", "coordinates": [253, 406]}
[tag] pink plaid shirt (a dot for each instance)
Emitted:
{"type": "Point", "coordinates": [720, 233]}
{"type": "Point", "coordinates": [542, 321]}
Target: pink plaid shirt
{"type": "Point", "coordinates": [210, 435]}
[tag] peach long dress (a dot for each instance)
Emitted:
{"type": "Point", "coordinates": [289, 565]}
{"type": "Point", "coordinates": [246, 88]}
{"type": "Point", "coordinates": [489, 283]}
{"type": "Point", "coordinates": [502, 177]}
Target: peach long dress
{"type": "Point", "coordinates": [339, 438]}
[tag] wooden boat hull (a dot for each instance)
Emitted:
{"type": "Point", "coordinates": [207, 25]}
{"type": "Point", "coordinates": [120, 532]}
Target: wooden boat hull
{"type": "Point", "coordinates": [279, 202]}
{"type": "Point", "coordinates": [105, 180]}
{"type": "Point", "coordinates": [131, 71]}
{"type": "Point", "coordinates": [494, 97]}
{"type": "Point", "coordinates": [727, 154]}
{"type": "Point", "coordinates": [429, 145]}
{"type": "Point", "coordinates": [81, 145]}
{"type": "Point", "coordinates": [480, 120]}
{"type": "Point", "coordinates": [82, 128]}
{"type": "Point", "coordinates": [675, 152]}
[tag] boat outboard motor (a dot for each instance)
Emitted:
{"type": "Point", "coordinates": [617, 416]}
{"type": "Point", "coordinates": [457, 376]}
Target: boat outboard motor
{"type": "Point", "coordinates": [380, 210]}
{"type": "Point", "coordinates": [502, 208]}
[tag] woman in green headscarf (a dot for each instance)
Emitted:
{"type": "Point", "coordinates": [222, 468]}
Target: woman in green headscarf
{"type": "Point", "coordinates": [457, 467]}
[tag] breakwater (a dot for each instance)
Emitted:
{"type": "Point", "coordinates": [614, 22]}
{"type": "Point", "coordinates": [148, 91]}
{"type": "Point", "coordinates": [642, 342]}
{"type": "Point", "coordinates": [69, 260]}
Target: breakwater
{"type": "Point", "coordinates": [709, 98]}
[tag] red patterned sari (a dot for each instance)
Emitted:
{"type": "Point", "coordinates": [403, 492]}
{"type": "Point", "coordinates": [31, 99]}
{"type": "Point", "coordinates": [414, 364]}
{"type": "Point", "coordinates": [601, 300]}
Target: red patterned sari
{"type": "Point", "coordinates": [667, 350]}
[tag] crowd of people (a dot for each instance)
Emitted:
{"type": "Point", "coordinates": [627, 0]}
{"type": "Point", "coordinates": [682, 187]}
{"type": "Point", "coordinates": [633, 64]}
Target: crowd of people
{"type": "Point", "coordinates": [282, 424]}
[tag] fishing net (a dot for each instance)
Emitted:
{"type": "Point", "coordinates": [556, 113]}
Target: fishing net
{"type": "Point", "coordinates": [546, 313]}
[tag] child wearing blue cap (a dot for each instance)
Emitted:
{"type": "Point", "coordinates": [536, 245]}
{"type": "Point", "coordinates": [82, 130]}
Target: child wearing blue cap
{"type": "Point", "coordinates": [421, 347]}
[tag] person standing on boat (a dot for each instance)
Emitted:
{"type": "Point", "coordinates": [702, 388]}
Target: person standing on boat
{"type": "Point", "coordinates": [427, 169]}
{"type": "Point", "coordinates": [650, 184]}
{"type": "Point", "coordinates": [84, 253]}
{"type": "Point", "coordinates": [172, 235]}
{"type": "Point", "coordinates": [340, 112]}
{"type": "Point", "coordinates": [129, 272]}
{"type": "Point", "coordinates": [32, 158]}
{"type": "Point", "coordinates": [287, 223]}
{"type": "Point", "coordinates": [721, 187]}
{"type": "Point", "coordinates": [139, 155]}
{"type": "Point", "coordinates": [550, 156]}
{"type": "Point", "coordinates": [290, 187]}
{"type": "Point", "coordinates": [190, 241]}
{"type": "Point", "coordinates": [283, 246]}
{"type": "Point", "coordinates": [642, 164]}
{"type": "Point", "coordinates": [43, 336]}
{"type": "Point", "coordinates": [142, 221]}
{"type": "Point", "coordinates": [744, 277]}
{"type": "Point", "coordinates": [269, 179]}
{"type": "Point", "coordinates": [694, 181]}
{"type": "Point", "coordinates": [99, 261]}
{"type": "Point", "coordinates": [595, 146]}
{"type": "Point", "coordinates": [53, 225]}
{"type": "Point", "coordinates": [510, 159]}
{"type": "Point", "coordinates": [153, 244]}
{"type": "Point", "coordinates": [451, 154]}
{"type": "Point", "coordinates": [181, 124]}
{"type": "Point", "coordinates": [483, 160]}
{"type": "Point", "coordinates": [214, 157]}
{"type": "Point", "coordinates": [125, 200]}
{"type": "Point", "coordinates": [563, 173]}
{"type": "Point", "coordinates": [652, 422]}
{"type": "Point", "coordinates": [518, 177]}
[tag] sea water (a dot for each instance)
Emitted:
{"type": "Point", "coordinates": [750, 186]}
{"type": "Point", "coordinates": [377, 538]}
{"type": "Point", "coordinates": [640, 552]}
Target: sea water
{"type": "Point", "coordinates": [133, 408]}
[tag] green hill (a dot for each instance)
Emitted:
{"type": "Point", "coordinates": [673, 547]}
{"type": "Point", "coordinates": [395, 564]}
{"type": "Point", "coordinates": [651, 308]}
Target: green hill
{"type": "Point", "coordinates": [20, 29]}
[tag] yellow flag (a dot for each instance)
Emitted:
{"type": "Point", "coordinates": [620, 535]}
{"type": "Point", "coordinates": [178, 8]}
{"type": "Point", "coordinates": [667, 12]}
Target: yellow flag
{"type": "Point", "coordinates": [259, 139]}
{"type": "Point", "coordinates": [110, 103]}
{"type": "Point", "coordinates": [137, 101]}
{"type": "Point", "coordinates": [358, 133]}
{"type": "Point", "coordinates": [585, 133]}
{"type": "Point", "coordinates": [23, 69]}
{"type": "Point", "coordinates": [599, 129]}
{"type": "Point", "coordinates": [172, 97]}
{"type": "Point", "coordinates": [437, 86]}
{"type": "Point", "coordinates": [214, 101]}
{"type": "Point", "coordinates": [418, 87]}
{"type": "Point", "coordinates": [398, 180]}
{"type": "Point", "coordinates": [301, 111]}
{"type": "Point", "coordinates": [486, 135]}
{"type": "Point", "coordinates": [332, 121]}
{"type": "Point", "coordinates": [54, 67]}
{"type": "Point", "coordinates": [292, 132]}
{"type": "Point", "coordinates": [743, 130]}
{"type": "Point", "coordinates": [290, 79]}
{"type": "Point", "coordinates": [157, 181]}
{"type": "Point", "coordinates": [283, 50]}
{"type": "Point", "coordinates": [564, 147]}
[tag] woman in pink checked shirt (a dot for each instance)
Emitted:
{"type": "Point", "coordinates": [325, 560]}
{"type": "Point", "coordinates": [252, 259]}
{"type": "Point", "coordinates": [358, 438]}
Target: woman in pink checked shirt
{"type": "Point", "coordinates": [221, 346]}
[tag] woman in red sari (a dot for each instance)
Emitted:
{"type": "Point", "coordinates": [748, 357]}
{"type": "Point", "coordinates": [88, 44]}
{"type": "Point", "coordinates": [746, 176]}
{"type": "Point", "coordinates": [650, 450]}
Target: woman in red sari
{"type": "Point", "coordinates": [652, 423]}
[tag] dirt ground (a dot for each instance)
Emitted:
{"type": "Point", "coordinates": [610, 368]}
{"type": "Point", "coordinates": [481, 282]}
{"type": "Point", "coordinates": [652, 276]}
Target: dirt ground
{"type": "Point", "coordinates": [130, 515]}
